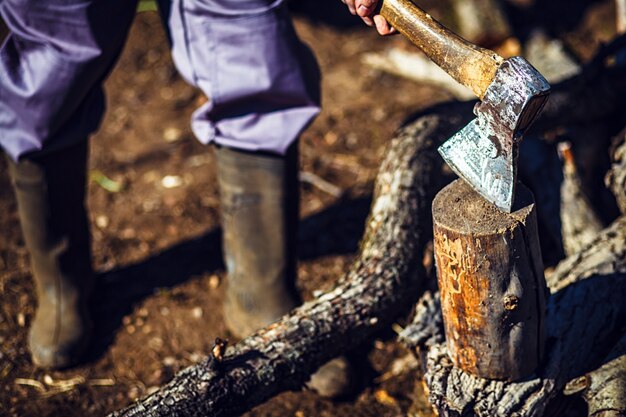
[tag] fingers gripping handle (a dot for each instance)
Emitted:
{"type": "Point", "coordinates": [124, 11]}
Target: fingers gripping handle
{"type": "Point", "coordinates": [470, 65]}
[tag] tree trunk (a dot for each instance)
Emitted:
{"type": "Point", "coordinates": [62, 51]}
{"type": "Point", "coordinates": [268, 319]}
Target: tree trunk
{"type": "Point", "coordinates": [585, 317]}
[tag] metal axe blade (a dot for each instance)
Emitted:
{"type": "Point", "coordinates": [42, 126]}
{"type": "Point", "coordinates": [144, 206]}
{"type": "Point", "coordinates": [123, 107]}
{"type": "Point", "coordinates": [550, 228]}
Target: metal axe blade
{"type": "Point", "coordinates": [484, 153]}
{"type": "Point", "coordinates": [512, 92]}
{"type": "Point", "coordinates": [473, 156]}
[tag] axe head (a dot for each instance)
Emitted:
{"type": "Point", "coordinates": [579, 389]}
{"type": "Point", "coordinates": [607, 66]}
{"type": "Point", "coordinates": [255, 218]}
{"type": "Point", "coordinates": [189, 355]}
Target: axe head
{"type": "Point", "coordinates": [484, 153]}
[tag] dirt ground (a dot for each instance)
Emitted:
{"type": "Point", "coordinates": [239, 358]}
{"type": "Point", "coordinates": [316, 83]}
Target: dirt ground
{"type": "Point", "coordinates": [154, 213]}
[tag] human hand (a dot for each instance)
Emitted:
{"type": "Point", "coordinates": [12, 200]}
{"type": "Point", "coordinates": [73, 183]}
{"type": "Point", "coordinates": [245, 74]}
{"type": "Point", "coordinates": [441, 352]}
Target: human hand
{"type": "Point", "coordinates": [367, 10]}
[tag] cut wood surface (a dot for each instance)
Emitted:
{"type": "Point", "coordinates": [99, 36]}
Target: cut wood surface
{"type": "Point", "coordinates": [490, 275]}
{"type": "Point", "coordinates": [585, 317]}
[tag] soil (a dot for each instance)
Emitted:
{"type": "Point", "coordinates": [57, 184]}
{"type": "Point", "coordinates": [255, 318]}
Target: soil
{"type": "Point", "coordinates": [154, 212]}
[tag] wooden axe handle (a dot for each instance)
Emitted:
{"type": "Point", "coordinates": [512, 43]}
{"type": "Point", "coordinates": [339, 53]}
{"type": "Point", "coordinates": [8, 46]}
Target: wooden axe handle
{"type": "Point", "coordinates": [470, 65]}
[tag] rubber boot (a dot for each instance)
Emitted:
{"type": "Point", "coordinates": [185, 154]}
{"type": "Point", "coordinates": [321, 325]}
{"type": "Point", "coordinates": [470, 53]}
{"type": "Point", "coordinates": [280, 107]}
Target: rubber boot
{"type": "Point", "coordinates": [50, 192]}
{"type": "Point", "coordinates": [259, 203]}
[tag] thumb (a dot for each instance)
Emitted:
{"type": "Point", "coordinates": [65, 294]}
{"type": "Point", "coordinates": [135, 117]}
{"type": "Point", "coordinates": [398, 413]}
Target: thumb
{"type": "Point", "coordinates": [365, 8]}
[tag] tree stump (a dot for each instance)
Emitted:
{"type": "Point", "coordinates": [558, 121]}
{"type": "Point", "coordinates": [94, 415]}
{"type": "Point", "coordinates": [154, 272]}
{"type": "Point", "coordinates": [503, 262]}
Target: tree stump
{"type": "Point", "coordinates": [491, 281]}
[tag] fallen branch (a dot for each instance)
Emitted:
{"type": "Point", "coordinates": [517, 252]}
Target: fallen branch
{"type": "Point", "coordinates": [604, 389]}
{"type": "Point", "coordinates": [383, 280]}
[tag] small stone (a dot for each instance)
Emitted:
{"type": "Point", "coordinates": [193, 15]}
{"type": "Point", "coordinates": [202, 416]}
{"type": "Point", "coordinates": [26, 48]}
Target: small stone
{"type": "Point", "coordinates": [171, 181]}
{"type": "Point", "coordinates": [197, 313]}
{"type": "Point", "coordinates": [142, 312]}
{"type": "Point", "coordinates": [167, 93]}
{"type": "Point", "coordinates": [330, 138]}
{"type": "Point", "coordinates": [126, 320]}
{"type": "Point", "coordinates": [164, 311]}
{"type": "Point", "coordinates": [169, 361]}
{"type": "Point", "coordinates": [214, 282]}
{"type": "Point", "coordinates": [128, 233]}
{"type": "Point", "coordinates": [102, 221]}
{"type": "Point", "coordinates": [151, 176]}
{"type": "Point", "coordinates": [379, 114]}
{"type": "Point", "coordinates": [131, 329]}
{"type": "Point", "coordinates": [21, 319]}
{"type": "Point", "coordinates": [155, 343]}
{"type": "Point", "coordinates": [373, 321]}
{"type": "Point", "coordinates": [150, 205]}
{"type": "Point", "coordinates": [133, 393]}
{"type": "Point", "coordinates": [172, 134]}
{"type": "Point", "coordinates": [47, 379]}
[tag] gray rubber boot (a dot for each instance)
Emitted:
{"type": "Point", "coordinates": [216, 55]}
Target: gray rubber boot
{"type": "Point", "coordinates": [50, 192]}
{"type": "Point", "coordinates": [259, 203]}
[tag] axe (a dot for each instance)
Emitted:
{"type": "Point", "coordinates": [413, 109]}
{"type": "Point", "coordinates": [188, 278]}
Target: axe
{"type": "Point", "coordinates": [512, 93]}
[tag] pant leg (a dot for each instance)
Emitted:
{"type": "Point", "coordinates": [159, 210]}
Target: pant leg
{"type": "Point", "coordinates": [52, 66]}
{"type": "Point", "coordinates": [261, 81]}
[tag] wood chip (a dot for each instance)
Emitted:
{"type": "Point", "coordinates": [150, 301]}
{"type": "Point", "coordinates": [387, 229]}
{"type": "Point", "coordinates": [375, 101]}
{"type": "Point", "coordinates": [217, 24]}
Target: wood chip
{"type": "Point", "coordinates": [102, 382]}
{"type": "Point", "coordinates": [31, 383]}
{"type": "Point", "coordinates": [384, 398]}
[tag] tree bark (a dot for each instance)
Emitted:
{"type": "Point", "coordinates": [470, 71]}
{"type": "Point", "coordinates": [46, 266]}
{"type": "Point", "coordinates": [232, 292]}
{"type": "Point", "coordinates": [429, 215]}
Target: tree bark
{"type": "Point", "coordinates": [385, 277]}
{"type": "Point", "coordinates": [579, 222]}
{"type": "Point", "coordinates": [585, 317]}
{"type": "Point", "coordinates": [616, 178]}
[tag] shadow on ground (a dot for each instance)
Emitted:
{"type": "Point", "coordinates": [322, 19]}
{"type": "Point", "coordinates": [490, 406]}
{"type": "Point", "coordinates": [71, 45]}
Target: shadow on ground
{"type": "Point", "coordinates": [334, 231]}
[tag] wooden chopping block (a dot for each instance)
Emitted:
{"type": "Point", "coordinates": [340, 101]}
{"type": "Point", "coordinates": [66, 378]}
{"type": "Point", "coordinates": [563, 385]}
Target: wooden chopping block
{"type": "Point", "coordinates": [493, 290]}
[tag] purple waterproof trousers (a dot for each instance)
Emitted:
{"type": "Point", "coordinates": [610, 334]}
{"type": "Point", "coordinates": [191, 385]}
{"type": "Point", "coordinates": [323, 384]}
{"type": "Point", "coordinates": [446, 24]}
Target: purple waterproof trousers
{"type": "Point", "coordinates": [262, 82]}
